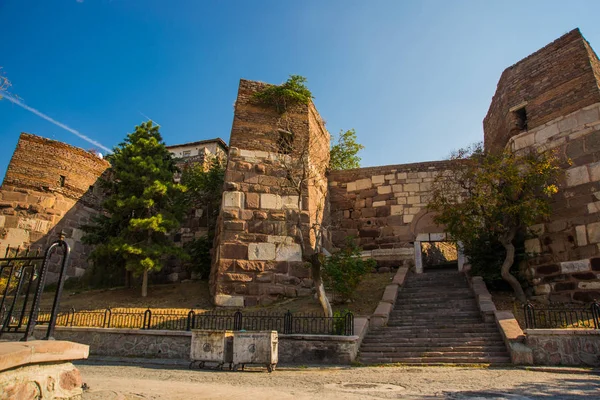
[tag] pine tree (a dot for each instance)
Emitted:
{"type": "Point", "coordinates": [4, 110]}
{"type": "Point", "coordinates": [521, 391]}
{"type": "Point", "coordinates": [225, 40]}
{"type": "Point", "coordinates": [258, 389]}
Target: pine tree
{"type": "Point", "coordinates": [142, 206]}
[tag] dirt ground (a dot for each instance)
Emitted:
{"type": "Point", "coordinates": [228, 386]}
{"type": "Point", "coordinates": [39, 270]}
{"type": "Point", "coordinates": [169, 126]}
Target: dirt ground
{"type": "Point", "coordinates": [194, 295]}
{"type": "Point", "coordinates": [112, 382]}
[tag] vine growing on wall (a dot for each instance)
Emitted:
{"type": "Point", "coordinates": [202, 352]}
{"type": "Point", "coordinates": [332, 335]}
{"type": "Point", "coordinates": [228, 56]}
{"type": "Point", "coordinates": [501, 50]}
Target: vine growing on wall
{"type": "Point", "coordinates": [291, 92]}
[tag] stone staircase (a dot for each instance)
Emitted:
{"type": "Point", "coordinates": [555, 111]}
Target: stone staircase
{"type": "Point", "coordinates": [435, 321]}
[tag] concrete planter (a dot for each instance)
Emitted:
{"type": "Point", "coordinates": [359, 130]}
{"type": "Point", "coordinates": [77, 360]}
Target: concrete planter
{"type": "Point", "coordinates": [211, 346]}
{"type": "Point", "coordinates": [255, 348]}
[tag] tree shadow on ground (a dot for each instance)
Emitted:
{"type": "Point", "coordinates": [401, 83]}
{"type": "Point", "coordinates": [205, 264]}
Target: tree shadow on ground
{"type": "Point", "coordinates": [568, 388]}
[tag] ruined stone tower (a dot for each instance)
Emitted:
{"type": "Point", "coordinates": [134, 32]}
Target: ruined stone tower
{"type": "Point", "coordinates": [49, 188]}
{"type": "Point", "coordinates": [551, 100]}
{"type": "Point", "coordinates": [265, 218]}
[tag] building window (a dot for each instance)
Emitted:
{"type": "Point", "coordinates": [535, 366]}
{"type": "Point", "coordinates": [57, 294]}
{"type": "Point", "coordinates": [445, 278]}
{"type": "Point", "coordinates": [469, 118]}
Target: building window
{"type": "Point", "coordinates": [187, 153]}
{"type": "Point", "coordinates": [285, 141]}
{"type": "Point", "coordinates": [521, 118]}
{"type": "Point", "coordinates": [61, 181]}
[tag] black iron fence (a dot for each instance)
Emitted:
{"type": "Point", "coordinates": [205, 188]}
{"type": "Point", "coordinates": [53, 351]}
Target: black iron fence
{"type": "Point", "coordinates": [287, 323]}
{"type": "Point", "coordinates": [22, 279]}
{"type": "Point", "coordinates": [562, 316]}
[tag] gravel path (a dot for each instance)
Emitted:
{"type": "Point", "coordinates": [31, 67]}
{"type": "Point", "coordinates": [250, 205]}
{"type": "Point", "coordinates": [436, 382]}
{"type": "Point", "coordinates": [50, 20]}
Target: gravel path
{"type": "Point", "coordinates": [108, 382]}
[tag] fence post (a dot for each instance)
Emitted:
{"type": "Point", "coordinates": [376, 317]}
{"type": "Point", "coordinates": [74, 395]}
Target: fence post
{"type": "Point", "coordinates": [287, 322]}
{"type": "Point", "coordinates": [237, 321]}
{"type": "Point", "coordinates": [529, 312]}
{"type": "Point", "coordinates": [72, 312]}
{"type": "Point", "coordinates": [596, 314]}
{"type": "Point", "coordinates": [107, 318]}
{"type": "Point", "coordinates": [147, 318]}
{"type": "Point", "coordinates": [190, 320]}
{"type": "Point", "coordinates": [349, 328]}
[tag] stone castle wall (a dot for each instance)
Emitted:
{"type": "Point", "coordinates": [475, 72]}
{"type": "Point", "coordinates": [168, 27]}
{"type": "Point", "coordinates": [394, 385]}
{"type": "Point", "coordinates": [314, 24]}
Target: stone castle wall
{"type": "Point", "coordinates": [567, 247]}
{"type": "Point", "coordinates": [384, 208]}
{"type": "Point", "coordinates": [48, 189]}
{"type": "Point", "coordinates": [554, 81]}
{"type": "Point", "coordinates": [264, 219]}
{"type": "Point", "coordinates": [557, 87]}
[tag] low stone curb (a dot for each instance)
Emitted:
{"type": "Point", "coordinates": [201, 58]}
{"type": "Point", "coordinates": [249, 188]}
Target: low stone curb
{"type": "Point", "coordinates": [382, 313]}
{"type": "Point", "coordinates": [509, 328]}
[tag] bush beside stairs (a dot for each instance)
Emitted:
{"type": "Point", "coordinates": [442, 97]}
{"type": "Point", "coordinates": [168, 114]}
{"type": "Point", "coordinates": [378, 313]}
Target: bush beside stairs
{"type": "Point", "coordinates": [435, 320]}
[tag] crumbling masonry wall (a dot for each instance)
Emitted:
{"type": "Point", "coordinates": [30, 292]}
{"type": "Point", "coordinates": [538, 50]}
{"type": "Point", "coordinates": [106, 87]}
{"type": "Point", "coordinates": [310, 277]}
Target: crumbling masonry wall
{"type": "Point", "coordinates": [264, 220]}
{"type": "Point", "coordinates": [558, 86]}
{"type": "Point", "coordinates": [49, 188]}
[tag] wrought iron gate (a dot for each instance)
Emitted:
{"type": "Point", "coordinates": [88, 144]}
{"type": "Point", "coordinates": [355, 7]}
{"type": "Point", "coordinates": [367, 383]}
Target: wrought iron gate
{"type": "Point", "coordinates": [23, 275]}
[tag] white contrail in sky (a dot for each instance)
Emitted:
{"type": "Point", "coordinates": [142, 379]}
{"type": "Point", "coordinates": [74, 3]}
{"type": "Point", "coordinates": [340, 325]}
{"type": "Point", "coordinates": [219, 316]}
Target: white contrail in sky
{"type": "Point", "coordinates": [13, 100]}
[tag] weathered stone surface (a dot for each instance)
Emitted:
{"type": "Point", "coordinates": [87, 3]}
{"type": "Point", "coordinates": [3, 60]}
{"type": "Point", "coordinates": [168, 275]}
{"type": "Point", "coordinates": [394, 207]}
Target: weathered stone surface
{"type": "Point", "coordinates": [233, 199]}
{"type": "Point", "coordinates": [270, 201]}
{"type": "Point", "coordinates": [223, 300]}
{"type": "Point", "coordinates": [234, 251]}
{"type": "Point", "coordinates": [252, 200]}
{"type": "Point", "coordinates": [261, 251]}
{"type": "Point", "coordinates": [577, 176]}
{"type": "Point", "coordinates": [574, 266]}
{"type": "Point", "coordinates": [288, 252]}
{"type": "Point", "coordinates": [564, 347]}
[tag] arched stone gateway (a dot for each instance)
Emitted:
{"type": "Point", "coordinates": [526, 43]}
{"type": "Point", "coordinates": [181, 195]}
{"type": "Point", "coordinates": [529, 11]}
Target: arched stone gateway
{"type": "Point", "coordinates": [425, 230]}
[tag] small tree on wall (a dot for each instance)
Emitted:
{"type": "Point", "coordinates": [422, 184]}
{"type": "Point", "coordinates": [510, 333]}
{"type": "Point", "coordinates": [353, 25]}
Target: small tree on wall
{"type": "Point", "coordinates": [489, 198]}
{"type": "Point", "coordinates": [344, 153]}
{"type": "Point", "coordinates": [142, 206]}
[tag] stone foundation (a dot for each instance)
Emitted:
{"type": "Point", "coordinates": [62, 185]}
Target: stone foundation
{"type": "Point", "coordinates": [564, 346]}
{"type": "Point", "coordinates": [40, 369]}
{"type": "Point", "coordinates": [131, 343]}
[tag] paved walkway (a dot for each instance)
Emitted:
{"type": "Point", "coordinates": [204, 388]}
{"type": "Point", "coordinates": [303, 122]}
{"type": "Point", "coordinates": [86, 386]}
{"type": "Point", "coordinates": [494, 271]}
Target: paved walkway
{"type": "Point", "coordinates": [108, 382]}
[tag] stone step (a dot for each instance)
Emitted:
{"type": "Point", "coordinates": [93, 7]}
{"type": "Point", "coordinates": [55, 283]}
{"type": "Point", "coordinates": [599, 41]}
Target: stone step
{"type": "Point", "coordinates": [434, 292]}
{"type": "Point", "coordinates": [443, 335]}
{"type": "Point", "coordinates": [430, 354]}
{"type": "Point", "coordinates": [448, 314]}
{"type": "Point", "coordinates": [399, 348]}
{"type": "Point", "coordinates": [426, 341]}
{"type": "Point", "coordinates": [420, 322]}
{"type": "Point", "coordinates": [435, 360]}
{"type": "Point", "coordinates": [434, 303]}
{"type": "Point", "coordinates": [398, 330]}
{"type": "Point", "coordinates": [440, 289]}
{"type": "Point", "coordinates": [442, 308]}
{"type": "Point", "coordinates": [400, 327]}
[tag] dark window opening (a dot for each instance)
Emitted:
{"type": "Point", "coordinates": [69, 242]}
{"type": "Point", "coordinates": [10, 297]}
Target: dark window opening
{"type": "Point", "coordinates": [61, 181]}
{"type": "Point", "coordinates": [177, 238]}
{"type": "Point", "coordinates": [521, 119]}
{"type": "Point", "coordinates": [285, 142]}
{"type": "Point", "coordinates": [91, 188]}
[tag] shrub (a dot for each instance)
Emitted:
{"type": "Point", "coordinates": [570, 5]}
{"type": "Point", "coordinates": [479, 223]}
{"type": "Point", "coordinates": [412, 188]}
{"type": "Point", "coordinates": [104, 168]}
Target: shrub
{"type": "Point", "coordinates": [199, 252]}
{"type": "Point", "coordinates": [344, 270]}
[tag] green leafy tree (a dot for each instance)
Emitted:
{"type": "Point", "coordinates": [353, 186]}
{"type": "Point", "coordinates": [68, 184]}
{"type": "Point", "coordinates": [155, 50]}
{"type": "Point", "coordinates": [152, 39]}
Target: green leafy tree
{"type": "Point", "coordinates": [204, 190]}
{"type": "Point", "coordinates": [142, 206]}
{"type": "Point", "coordinates": [343, 271]}
{"type": "Point", "coordinates": [490, 198]}
{"type": "Point", "coordinates": [344, 154]}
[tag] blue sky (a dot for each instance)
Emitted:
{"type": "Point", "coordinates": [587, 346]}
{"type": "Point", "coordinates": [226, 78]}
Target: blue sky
{"type": "Point", "coordinates": [414, 78]}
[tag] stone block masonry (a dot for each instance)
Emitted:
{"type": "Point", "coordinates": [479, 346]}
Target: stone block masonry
{"type": "Point", "coordinates": [49, 188]}
{"type": "Point", "coordinates": [265, 219]}
{"type": "Point", "coordinates": [556, 80]}
{"type": "Point", "coordinates": [557, 92]}
{"type": "Point", "coordinates": [384, 208]}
